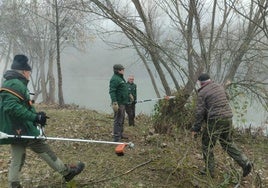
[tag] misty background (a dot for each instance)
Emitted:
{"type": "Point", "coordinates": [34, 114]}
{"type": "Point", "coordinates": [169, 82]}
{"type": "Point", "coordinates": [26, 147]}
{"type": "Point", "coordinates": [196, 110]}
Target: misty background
{"type": "Point", "coordinates": [86, 78]}
{"type": "Point", "coordinates": [63, 41]}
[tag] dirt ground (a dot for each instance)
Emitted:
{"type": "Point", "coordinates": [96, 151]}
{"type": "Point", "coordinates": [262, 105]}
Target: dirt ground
{"type": "Point", "coordinates": [155, 161]}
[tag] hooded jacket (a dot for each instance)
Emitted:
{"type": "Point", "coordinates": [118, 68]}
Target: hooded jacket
{"type": "Point", "coordinates": [17, 115]}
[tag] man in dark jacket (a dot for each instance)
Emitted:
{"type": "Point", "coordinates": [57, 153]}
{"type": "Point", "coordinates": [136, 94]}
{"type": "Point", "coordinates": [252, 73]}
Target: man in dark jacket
{"type": "Point", "coordinates": [213, 109]}
{"type": "Point", "coordinates": [130, 107]}
{"type": "Point", "coordinates": [119, 98]}
{"type": "Point", "coordinates": [18, 117]}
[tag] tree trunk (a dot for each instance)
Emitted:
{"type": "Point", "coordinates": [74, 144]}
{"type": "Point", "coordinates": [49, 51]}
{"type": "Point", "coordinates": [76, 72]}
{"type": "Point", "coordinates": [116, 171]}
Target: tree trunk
{"type": "Point", "coordinates": [60, 92]}
{"type": "Point", "coordinates": [51, 78]}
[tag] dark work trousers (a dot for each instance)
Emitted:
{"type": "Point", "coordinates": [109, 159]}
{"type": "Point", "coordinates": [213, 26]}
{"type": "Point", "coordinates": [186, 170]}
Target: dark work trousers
{"type": "Point", "coordinates": [220, 130]}
{"type": "Point", "coordinates": [130, 110]}
{"type": "Point", "coordinates": [119, 118]}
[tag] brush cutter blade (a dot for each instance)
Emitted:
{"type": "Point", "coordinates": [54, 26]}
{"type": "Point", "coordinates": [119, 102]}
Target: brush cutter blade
{"type": "Point", "coordinates": [119, 150]}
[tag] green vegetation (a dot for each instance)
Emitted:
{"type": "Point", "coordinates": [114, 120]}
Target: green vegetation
{"type": "Point", "coordinates": [173, 115]}
{"type": "Point", "coordinates": [157, 160]}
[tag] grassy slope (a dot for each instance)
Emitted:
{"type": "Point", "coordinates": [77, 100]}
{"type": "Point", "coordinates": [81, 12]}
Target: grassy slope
{"type": "Point", "coordinates": [156, 160]}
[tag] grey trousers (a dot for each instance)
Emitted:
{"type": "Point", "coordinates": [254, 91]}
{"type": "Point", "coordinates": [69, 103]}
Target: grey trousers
{"type": "Point", "coordinates": [18, 154]}
{"type": "Point", "coordinates": [119, 118]}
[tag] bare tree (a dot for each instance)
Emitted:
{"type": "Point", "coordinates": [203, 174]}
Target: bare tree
{"type": "Point", "coordinates": [33, 29]}
{"type": "Point", "coordinates": [177, 39]}
{"type": "Point", "coordinates": [200, 36]}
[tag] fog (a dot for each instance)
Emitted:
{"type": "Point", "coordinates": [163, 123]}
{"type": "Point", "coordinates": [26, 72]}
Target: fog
{"type": "Point", "coordinates": [86, 81]}
{"type": "Point", "coordinates": [86, 78]}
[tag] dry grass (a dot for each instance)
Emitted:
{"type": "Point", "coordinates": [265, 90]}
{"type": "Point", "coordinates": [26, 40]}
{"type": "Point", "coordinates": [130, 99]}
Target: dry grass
{"type": "Point", "coordinates": [155, 161]}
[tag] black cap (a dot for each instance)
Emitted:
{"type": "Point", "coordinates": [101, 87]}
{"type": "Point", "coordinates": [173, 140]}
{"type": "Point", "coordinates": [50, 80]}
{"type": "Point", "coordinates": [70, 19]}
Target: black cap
{"type": "Point", "coordinates": [118, 67]}
{"type": "Point", "coordinates": [203, 77]}
{"type": "Point", "coordinates": [20, 62]}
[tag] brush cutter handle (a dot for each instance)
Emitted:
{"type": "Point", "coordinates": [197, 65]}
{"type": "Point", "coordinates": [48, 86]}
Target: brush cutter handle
{"type": "Point", "coordinates": [3, 135]}
{"type": "Point", "coordinates": [41, 118]}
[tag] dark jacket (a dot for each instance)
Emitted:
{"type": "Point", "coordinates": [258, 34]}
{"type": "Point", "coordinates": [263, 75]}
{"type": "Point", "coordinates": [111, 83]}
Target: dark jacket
{"type": "Point", "coordinates": [212, 104]}
{"type": "Point", "coordinates": [132, 89]}
{"type": "Point", "coordinates": [118, 89]}
{"type": "Point", "coordinates": [17, 115]}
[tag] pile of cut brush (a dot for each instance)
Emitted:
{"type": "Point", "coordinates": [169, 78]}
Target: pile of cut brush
{"type": "Point", "coordinates": [155, 160]}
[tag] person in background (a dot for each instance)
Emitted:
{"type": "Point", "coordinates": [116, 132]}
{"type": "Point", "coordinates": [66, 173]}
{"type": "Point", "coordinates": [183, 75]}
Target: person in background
{"type": "Point", "coordinates": [130, 107]}
{"type": "Point", "coordinates": [214, 110]}
{"type": "Point", "coordinates": [19, 117]}
{"type": "Point", "coordinates": [119, 98]}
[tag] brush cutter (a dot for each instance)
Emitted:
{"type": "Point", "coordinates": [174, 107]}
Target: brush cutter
{"type": "Point", "coordinates": [156, 99]}
{"type": "Point", "coordinates": [119, 150]}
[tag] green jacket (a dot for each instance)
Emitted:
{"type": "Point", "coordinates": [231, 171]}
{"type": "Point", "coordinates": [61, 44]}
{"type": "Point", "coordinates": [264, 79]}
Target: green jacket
{"type": "Point", "coordinates": [17, 115]}
{"type": "Point", "coordinates": [132, 89]}
{"type": "Point", "coordinates": [118, 89]}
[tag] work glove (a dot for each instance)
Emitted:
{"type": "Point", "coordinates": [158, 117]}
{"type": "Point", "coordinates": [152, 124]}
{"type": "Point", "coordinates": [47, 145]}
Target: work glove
{"type": "Point", "coordinates": [194, 135]}
{"type": "Point", "coordinates": [41, 118]}
{"type": "Point", "coordinates": [195, 130]}
{"type": "Point", "coordinates": [131, 98]}
{"type": "Point", "coordinates": [115, 106]}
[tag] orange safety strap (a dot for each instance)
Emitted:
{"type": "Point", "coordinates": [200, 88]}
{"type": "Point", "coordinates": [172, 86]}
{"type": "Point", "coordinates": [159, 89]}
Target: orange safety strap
{"type": "Point", "coordinates": [12, 92]}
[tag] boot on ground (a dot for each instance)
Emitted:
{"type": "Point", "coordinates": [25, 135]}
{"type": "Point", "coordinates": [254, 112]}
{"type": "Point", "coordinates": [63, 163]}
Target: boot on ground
{"type": "Point", "coordinates": [74, 170]}
{"type": "Point", "coordinates": [247, 169]}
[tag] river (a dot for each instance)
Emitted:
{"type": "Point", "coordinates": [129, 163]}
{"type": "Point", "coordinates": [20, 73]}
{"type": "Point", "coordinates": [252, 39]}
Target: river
{"type": "Point", "coordinates": [86, 82]}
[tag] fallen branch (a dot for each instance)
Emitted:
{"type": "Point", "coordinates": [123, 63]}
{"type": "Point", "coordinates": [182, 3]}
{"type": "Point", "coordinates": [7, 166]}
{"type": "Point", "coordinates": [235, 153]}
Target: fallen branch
{"type": "Point", "coordinates": [132, 169]}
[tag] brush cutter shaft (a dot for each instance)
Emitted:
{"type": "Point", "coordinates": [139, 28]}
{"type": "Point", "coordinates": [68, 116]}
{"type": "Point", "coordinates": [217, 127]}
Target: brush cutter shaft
{"type": "Point", "coordinates": [82, 140]}
{"type": "Point", "coordinates": [4, 135]}
{"type": "Point", "coordinates": [166, 97]}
